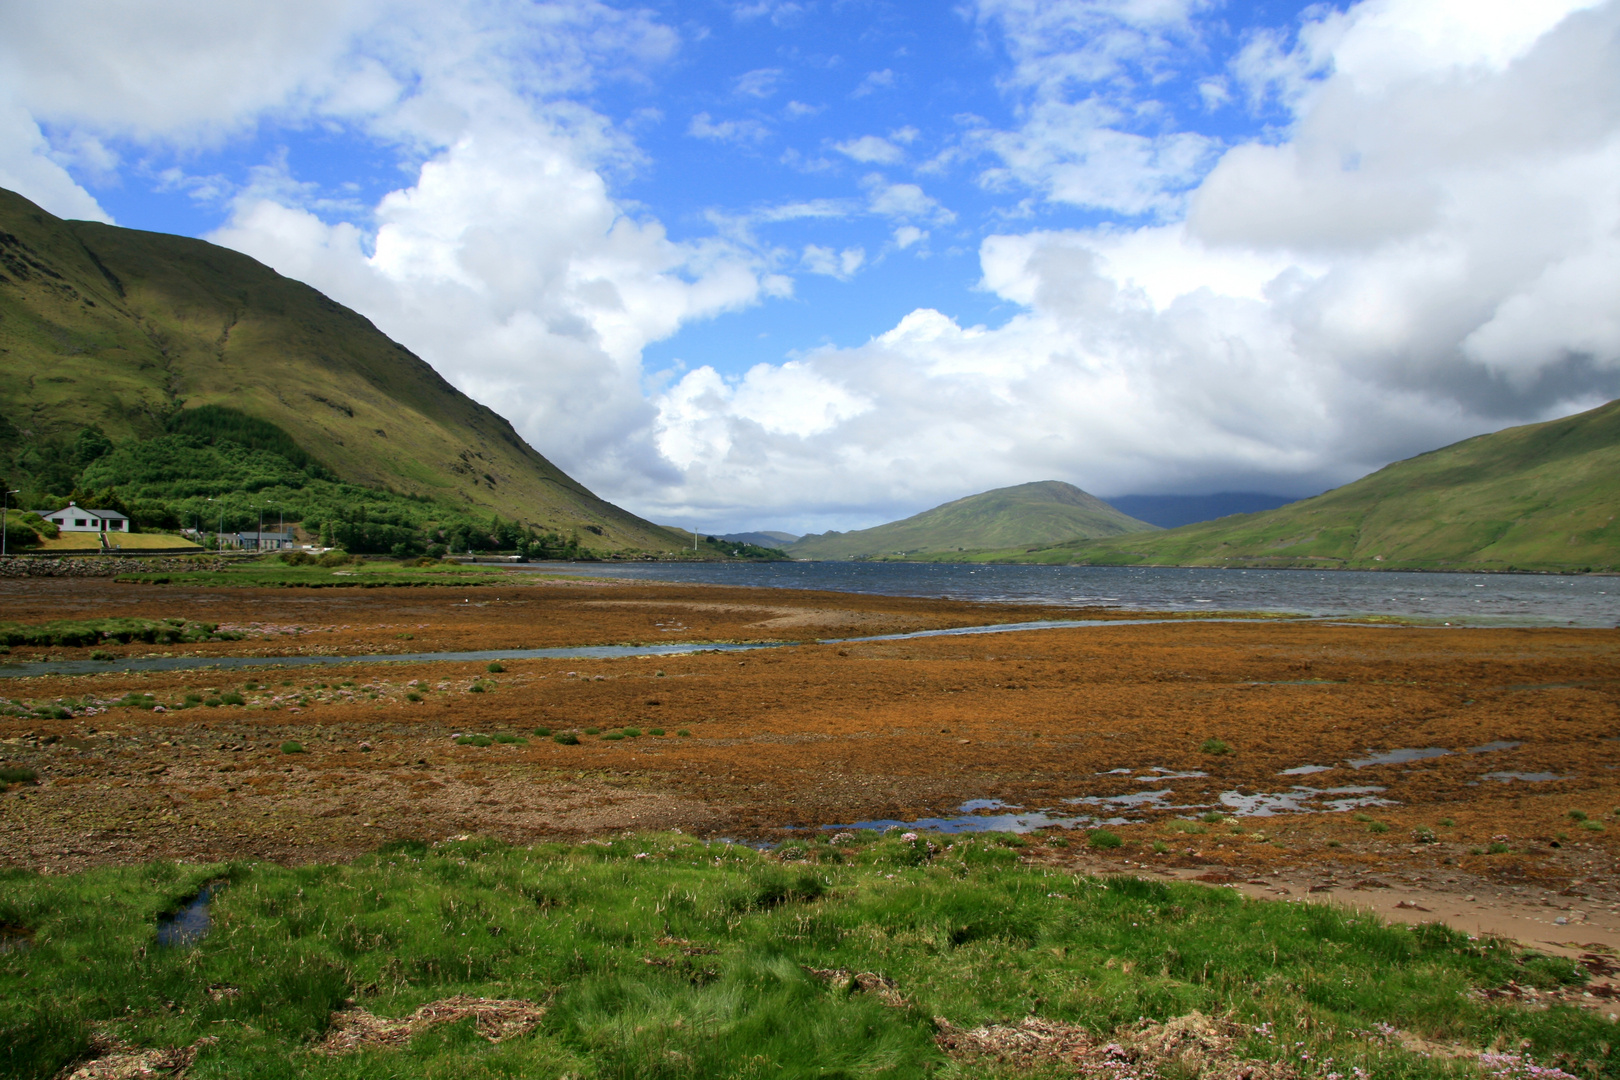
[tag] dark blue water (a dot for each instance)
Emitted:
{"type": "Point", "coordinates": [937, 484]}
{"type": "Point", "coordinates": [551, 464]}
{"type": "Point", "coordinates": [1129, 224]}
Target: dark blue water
{"type": "Point", "coordinates": [1491, 599]}
{"type": "Point", "coordinates": [190, 924]}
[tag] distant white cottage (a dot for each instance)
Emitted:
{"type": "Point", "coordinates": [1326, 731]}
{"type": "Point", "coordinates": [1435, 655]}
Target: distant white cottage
{"type": "Point", "coordinates": [75, 518]}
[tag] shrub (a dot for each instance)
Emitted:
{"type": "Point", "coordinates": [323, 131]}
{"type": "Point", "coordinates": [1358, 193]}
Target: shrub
{"type": "Point", "coordinates": [1578, 815]}
{"type": "Point", "coordinates": [297, 558]}
{"type": "Point", "coordinates": [413, 696]}
{"type": "Point", "coordinates": [509, 740]}
{"type": "Point", "coordinates": [213, 702]}
{"type": "Point", "coordinates": [613, 735]}
{"type": "Point", "coordinates": [632, 733]}
{"type": "Point", "coordinates": [565, 739]}
{"type": "Point", "coordinates": [1498, 849]}
{"type": "Point", "coordinates": [291, 747]}
{"type": "Point", "coordinates": [1448, 823]}
{"type": "Point", "coordinates": [1102, 838]}
{"type": "Point", "coordinates": [335, 558]}
{"type": "Point", "coordinates": [1212, 818]}
{"type": "Point", "coordinates": [683, 733]}
{"type": "Point", "coordinates": [476, 688]}
{"type": "Point", "coordinates": [542, 731]}
{"type": "Point", "coordinates": [1215, 746]}
{"type": "Point", "coordinates": [495, 667]}
{"type": "Point", "coordinates": [232, 698]}
{"type": "Point", "coordinates": [16, 774]}
{"type": "Point", "coordinates": [1592, 826]}
{"type": "Point", "coordinates": [1160, 847]}
{"type": "Point", "coordinates": [102, 654]}
{"type": "Point", "coordinates": [593, 731]}
{"type": "Point", "coordinates": [1377, 827]}
{"type": "Point", "coordinates": [473, 740]}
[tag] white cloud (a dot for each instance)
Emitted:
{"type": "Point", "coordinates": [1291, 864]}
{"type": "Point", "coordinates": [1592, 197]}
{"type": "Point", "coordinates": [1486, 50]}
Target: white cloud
{"type": "Point", "coordinates": [902, 201]}
{"type": "Point", "coordinates": [704, 126]}
{"type": "Point", "coordinates": [759, 83]}
{"type": "Point", "coordinates": [873, 82]}
{"type": "Point", "coordinates": [830, 263]}
{"type": "Point", "coordinates": [907, 235]}
{"type": "Point", "coordinates": [871, 150]}
{"type": "Point", "coordinates": [1431, 251]}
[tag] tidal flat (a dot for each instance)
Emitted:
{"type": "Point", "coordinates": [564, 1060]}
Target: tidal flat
{"type": "Point", "coordinates": [1464, 779]}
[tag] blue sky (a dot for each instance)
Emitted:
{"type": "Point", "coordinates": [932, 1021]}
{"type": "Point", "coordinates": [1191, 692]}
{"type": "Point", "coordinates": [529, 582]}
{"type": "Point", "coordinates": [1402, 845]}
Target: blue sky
{"type": "Point", "coordinates": [821, 264]}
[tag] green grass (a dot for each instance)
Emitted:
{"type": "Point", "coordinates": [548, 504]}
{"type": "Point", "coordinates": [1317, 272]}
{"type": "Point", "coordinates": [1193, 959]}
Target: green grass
{"type": "Point", "coordinates": [1538, 497]}
{"type": "Point", "coordinates": [270, 572]}
{"type": "Point", "coordinates": [663, 956]}
{"type": "Point", "coordinates": [82, 632]}
{"type": "Point", "coordinates": [1041, 513]}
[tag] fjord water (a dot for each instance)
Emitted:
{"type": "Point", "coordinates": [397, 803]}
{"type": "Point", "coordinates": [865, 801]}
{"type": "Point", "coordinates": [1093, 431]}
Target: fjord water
{"type": "Point", "coordinates": [1477, 599]}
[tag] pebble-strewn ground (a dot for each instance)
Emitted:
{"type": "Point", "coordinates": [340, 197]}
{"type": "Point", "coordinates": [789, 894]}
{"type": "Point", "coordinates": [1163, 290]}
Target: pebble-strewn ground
{"type": "Point", "coordinates": [811, 735]}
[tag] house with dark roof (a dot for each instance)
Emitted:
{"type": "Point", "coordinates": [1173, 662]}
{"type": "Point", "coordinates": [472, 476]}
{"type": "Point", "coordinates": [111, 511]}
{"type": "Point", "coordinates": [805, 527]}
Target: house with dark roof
{"type": "Point", "coordinates": [75, 518]}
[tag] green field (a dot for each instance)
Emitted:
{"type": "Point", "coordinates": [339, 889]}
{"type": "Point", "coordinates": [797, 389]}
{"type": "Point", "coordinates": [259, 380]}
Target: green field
{"type": "Point", "coordinates": [1041, 513]}
{"type": "Point", "coordinates": [665, 956]}
{"type": "Point", "coordinates": [124, 333]}
{"type": "Point", "coordinates": [1541, 497]}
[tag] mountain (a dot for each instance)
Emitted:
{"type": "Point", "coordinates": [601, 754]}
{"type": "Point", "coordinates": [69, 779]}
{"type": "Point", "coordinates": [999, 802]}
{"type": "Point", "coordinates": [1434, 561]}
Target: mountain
{"type": "Point", "coordinates": [1539, 497]}
{"type": "Point", "coordinates": [1026, 516]}
{"type": "Point", "coordinates": [120, 330]}
{"type": "Point", "coordinates": [764, 538]}
{"type": "Point", "coordinates": [1173, 511]}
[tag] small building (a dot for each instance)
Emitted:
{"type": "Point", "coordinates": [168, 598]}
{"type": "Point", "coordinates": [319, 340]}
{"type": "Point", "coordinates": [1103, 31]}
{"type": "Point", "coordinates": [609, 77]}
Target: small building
{"type": "Point", "coordinates": [265, 541]}
{"type": "Point", "coordinates": [75, 518]}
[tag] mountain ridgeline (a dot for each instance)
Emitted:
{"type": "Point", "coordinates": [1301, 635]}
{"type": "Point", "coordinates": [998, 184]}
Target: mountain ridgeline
{"type": "Point", "coordinates": [158, 372]}
{"type": "Point", "coordinates": [1542, 497]}
{"type": "Point", "coordinates": [1028, 515]}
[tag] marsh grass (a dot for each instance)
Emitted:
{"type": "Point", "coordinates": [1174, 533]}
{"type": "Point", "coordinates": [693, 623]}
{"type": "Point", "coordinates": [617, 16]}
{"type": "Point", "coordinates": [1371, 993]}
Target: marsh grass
{"type": "Point", "coordinates": [665, 956]}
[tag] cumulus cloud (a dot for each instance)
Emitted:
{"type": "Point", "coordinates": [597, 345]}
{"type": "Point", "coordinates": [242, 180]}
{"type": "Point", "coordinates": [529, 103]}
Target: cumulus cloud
{"type": "Point", "coordinates": [1431, 251]}
{"type": "Point", "coordinates": [871, 150]}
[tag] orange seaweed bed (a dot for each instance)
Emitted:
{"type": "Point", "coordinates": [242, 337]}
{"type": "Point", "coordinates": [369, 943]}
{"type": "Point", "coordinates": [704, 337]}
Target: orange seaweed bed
{"type": "Point", "coordinates": [814, 735]}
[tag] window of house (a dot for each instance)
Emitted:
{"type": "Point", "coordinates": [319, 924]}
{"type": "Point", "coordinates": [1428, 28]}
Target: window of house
{"type": "Point", "coordinates": [78, 523]}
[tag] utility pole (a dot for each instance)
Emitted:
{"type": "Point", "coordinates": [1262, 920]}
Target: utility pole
{"type": "Point", "coordinates": [5, 507]}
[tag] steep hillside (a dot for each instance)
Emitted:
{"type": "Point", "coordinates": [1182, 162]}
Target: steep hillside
{"type": "Point", "coordinates": [1540, 497]}
{"type": "Point", "coordinates": [1027, 515]}
{"type": "Point", "coordinates": [121, 329]}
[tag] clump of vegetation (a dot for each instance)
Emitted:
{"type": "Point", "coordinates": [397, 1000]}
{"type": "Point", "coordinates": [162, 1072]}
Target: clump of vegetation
{"type": "Point", "coordinates": [1377, 827]}
{"type": "Point", "coordinates": [476, 688]}
{"type": "Point", "coordinates": [473, 740]}
{"type": "Point", "coordinates": [292, 747]}
{"type": "Point", "coordinates": [1577, 815]}
{"type": "Point", "coordinates": [684, 733]}
{"type": "Point", "coordinates": [17, 774]}
{"type": "Point", "coordinates": [655, 731]}
{"type": "Point", "coordinates": [1102, 838]}
{"type": "Point", "coordinates": [80, 633]}
{"type": "Point", "coordinates": [1448, 823]}
{"type": "Point", "coordinates": [1498, 848]}
{"type": "Point", "coordinates": [1212, 817]}
{"type": "Point", "coordinates": [508, 739]}
{"type": "Point", "coordinates": [412, 695]}
{"type": "Point", "coordinates": [1215, 746]}
{"type": "Point", "coordinates": [542, 732]}
{"type": "Point", "coordinates": [1592, 826]}
{"type": "Point", "coordinates": [631, 733]}
{"type": "Point", "coordinates": [495, 667]}
{"type": "Point", "coordinates": [565, 739]}
{"type": "Point", "coordinates": [232, 698]}
{"type": "Point", "coordinates": [613, 736]}
{"type": "Point", "coordinates": [593, 731]}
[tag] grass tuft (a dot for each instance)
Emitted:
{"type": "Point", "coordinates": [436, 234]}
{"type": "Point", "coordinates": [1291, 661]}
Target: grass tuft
{"type": "Point", "coordinates": [1215, 746]}
{"type": "Point", "coordinates": [292, 747]}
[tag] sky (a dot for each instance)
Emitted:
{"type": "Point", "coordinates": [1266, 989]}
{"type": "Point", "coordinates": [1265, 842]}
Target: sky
{"type": "Point", "coordinates": [813, 264]}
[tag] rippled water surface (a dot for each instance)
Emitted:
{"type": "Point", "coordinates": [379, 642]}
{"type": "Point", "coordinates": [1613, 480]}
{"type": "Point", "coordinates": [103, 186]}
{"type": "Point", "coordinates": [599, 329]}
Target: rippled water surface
{"type": "Point", "coordinates": [1516, 599]}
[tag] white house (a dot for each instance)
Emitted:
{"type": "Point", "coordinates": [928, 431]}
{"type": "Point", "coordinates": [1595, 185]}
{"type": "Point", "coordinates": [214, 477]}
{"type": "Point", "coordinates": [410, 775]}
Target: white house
{"type": "Point", "coordinates": [75, 518]}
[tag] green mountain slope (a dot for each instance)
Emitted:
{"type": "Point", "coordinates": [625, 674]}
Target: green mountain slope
{"type": "Point", "coordinates": [122, 329]}
{"type": "Point", "coordinates": [1540, 497]}
{"type": "Point", "coordinates": [1025, 516]}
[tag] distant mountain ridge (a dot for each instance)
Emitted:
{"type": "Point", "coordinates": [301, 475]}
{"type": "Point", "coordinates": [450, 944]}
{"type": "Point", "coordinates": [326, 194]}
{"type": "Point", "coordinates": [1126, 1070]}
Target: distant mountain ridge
{"type": "Point", "coordinates": [1540, 497]}
{"type": "Point", "coordinates": [1039, 513]}
{"type": "Point", "coordinates": [119, 329]}
{"type": "Point", "coordinates": [763, 538]}
{"type": "Point", "coordinates": [1174, 511]}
